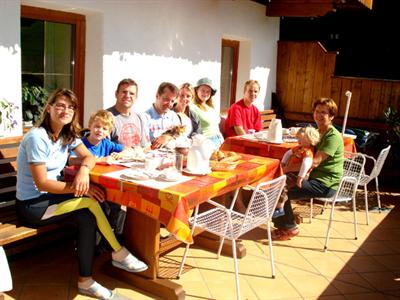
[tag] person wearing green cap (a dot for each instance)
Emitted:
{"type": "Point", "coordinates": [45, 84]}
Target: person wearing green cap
{"type": "Point", "coordinates": [203, 108]}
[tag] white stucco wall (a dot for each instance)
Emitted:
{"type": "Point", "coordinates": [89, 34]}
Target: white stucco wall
{"type": "Point", "coordinates": [10, 60]}
{"type": "Point", "coordinates": [157, 40]}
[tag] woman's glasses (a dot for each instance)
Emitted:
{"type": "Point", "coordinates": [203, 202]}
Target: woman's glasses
{"type": "Point", "coordinates": [63, 107]}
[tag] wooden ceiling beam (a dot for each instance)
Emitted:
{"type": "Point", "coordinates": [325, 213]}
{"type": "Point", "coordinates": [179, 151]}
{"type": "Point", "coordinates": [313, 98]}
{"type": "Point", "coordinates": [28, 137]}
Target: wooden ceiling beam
{"type": "Point", "coordinates": [299, 10]}
{"type": "Point", "coordinates": [312, 8]}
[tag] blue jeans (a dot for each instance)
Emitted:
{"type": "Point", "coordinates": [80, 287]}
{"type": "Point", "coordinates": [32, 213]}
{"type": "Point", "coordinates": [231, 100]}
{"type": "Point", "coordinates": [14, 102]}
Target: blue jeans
{"type": "Point", "coordinates": [309, 189]}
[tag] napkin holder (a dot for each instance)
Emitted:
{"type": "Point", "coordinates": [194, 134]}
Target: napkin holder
{"type": "Point", "coordinates": [275, 131]}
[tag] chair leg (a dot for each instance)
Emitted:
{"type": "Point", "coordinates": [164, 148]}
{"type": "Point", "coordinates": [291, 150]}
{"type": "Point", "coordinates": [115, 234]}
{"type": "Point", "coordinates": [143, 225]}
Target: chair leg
{"type": "Point", "coordinates": [271, 253]}
{"type": "Point", "coordinates": [183, 261]}
{"type": "Point", "coordinates": [329, 227]}
{"type": "Point", "coordinates": [324, 207]}
{"type": "Point", "coordinates": [236, 269]}
{"type": "Point", "coordinates": [221, 243]}
{"type": "Point", "coordinates": [355, 218]}
{"type": "Point", "coordinates": [196, 211]}
{"type": "Point", "coordinates": [366, 203]}
{"type": "Point", "coordinates": [377, 194]}
{"type": "Point", "coordinates": [311, 209]}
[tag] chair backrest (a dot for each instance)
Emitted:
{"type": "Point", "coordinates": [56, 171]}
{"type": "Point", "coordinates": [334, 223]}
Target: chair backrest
{"type": "Point", "coordinates": [347, 189]}
{"type": "Point", "coordinates": [266, 117]}
{"type": "Point", "coordinates": [352, 171]}
{"type": "Point", "coordinates": [222, 124]}
{"type": "Point", "coordinates": [379, 162]}
{"type": "Point", "coordinates": [354, 166]}
{"type": "Point", "coordinates": [262, 203]}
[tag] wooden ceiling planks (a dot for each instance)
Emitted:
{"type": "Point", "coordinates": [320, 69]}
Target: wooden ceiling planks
{"type": "Point", "coordinates": [311, 8]}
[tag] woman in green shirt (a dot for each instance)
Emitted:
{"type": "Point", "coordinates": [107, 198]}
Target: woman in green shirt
{"type": "Point", "coordinates": [203, 109]}
{"type": "Point", "coordinates": [327, 168]}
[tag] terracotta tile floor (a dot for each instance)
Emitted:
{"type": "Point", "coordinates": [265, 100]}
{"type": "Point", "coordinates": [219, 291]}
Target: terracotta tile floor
{"type": "Point", "coordinates": [367, 268]}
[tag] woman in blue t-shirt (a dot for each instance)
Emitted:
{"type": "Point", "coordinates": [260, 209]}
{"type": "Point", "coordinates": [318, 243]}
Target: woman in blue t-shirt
{"type": "Point", "coordinates": [43, 198]}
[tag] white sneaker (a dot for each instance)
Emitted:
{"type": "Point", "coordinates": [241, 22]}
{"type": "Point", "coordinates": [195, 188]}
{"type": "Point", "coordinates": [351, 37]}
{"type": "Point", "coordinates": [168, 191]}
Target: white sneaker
{"type": "Point", "coordinates": [131, 264]}
{"type": "Point", "coordinates": [98, 291]}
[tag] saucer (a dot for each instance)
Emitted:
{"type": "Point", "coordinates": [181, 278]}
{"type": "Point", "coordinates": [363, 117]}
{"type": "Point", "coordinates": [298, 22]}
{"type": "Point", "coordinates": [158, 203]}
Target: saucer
{"type": "Point", "coordinates": [204, 172]}
{"type": "Point", "coordinates": [169, 176]}
{"type": "Point", "coordinates": [274, 141]}
{"type": "Point", "coordinates": [290, 140]}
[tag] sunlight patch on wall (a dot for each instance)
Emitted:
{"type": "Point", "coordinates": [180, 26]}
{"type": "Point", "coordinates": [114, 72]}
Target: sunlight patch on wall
{"type": "Point", "coordinates": [10, 83]}
{"type": "Point", "coordinates": [149, 71]}
{"type": "Point", "coordinates": [261, 75]}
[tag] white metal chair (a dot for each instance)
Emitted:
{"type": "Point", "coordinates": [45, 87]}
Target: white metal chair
{"type": "Point", "coordinates": [376, 170]}
{"type": "Point", "coordinates": [229, 224]}
{"type": "Point", "coordinates": [347, 171]}
{"type": "Point", "coordinates": [345, 192]}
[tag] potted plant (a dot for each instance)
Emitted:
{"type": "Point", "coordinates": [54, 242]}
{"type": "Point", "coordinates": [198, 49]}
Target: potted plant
{"type": "Point", "coordinates": [33, 100]}
{"type": "Point", "coordinates": [392, 118]}
{"type": "Point", "coordinates": [8, 120]}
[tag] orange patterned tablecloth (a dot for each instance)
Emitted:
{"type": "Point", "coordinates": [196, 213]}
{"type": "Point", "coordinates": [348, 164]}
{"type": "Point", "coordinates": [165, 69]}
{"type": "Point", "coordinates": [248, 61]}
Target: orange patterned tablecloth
{"type": "Point", "coordinates": [265, 149]}
{"type": "Point", "coordinates": [172, 205]}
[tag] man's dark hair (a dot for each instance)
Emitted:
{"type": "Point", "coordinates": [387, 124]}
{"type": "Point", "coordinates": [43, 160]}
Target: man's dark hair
{"type": "Point", "coordinates": [127, 81]}
{"type": "Point", "coordinates": [167, 85]}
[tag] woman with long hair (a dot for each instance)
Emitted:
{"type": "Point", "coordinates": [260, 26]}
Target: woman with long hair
{"type": "Point", "coordinates": [42, 198]}
{"type": "Point", "coordinates": [184, 112]}
{"type": "Point", "coordinates": [203, 108]}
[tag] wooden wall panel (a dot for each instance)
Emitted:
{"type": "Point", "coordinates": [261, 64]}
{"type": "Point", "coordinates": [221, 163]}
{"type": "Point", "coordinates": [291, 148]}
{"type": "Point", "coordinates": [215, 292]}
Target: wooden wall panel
{"type": "Point", "coordinates": [395, 96]}
{"type": "Point", "coordinates": [300, 77]}
{"type": "Point", "coordinates": [309, 77]}
{"type": "Point", "coordinates": [305, 71]}
{"type": "Point", "coordinates": [370, 97]}
{"type": "Point", "coordinates": [376, 90]}
{"type": "Point", "coordinates": [283, 67]}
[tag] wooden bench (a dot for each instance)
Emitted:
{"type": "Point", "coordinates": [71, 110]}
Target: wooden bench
{"type": "Point", "coordinates": [11, 231]}
{"type": "Point", "coordinates": [266, 117]}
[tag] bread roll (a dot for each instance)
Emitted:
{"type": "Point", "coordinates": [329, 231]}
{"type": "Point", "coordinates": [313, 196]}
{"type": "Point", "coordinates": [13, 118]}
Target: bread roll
{"type": "Point", "coordinates": [221, 155]}
{"type": "Point", "coordinates": [231, 158]}
{"type": "Point", "coordinates": [217, 155]}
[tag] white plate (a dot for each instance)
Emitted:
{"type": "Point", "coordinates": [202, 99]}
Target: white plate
{"type": "Point", "coordinates": [290, 140]}
{"type": "Point", "coordinates": [163, 177]}
{"type": "Point", "coordinates": [134, 175]}
{"type": "Point", "coordinates": [197, 173]}
{"type": "Point", "coordinates": [274, 142]}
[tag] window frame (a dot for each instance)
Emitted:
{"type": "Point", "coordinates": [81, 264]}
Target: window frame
{"type": "Point", "coordinates": [79, 21]}
{"type": "Point", "coordinates": [235, 62]}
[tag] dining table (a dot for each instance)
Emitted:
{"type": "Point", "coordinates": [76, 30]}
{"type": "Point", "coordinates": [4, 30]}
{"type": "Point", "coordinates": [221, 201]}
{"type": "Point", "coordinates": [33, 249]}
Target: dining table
{"type": "Point", "coordinates": [151, 203]}
{"type": "Point", "coordinates": [250, 144]}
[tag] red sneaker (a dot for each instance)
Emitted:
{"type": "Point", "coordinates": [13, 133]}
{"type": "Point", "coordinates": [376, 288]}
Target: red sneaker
{"type": "Point", "coordinates": [284, 234]}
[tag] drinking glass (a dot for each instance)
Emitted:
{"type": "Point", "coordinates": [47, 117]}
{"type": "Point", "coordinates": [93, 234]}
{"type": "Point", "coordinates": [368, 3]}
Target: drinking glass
{"type": "Point", "coordinates": [179, 162]}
